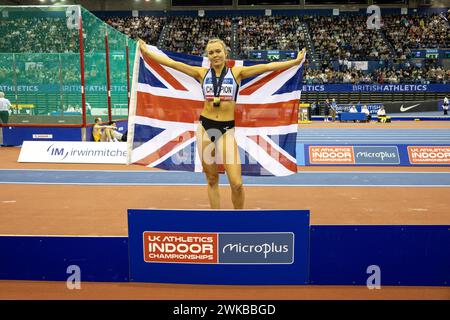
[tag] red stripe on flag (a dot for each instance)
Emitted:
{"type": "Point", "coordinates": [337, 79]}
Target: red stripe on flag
{"type": "Point", "coordinates": [274, 153]}
{"type": "Point", "coordinates": [168, 147]}
{"type": "Point", "coordinates": [258, 84]}
{"type": "Point", "coordinates": [165, 74]}
{"type": "Point", "coordinates": [168, 109]}
{"type": "Point", "coordinates": [267, 115]}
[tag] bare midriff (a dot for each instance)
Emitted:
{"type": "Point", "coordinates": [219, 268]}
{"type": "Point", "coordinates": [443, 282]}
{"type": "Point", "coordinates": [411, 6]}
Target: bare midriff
{"type": "Point", "coordinates": [225, 112]}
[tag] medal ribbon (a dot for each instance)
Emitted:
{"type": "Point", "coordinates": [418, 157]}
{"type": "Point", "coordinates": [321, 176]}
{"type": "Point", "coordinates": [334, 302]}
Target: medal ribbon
{"type": "Point", "coordinates": [218, 86]}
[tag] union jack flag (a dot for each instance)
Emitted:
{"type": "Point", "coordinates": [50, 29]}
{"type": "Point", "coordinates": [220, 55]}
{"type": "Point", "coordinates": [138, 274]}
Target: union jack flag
{"type": "Point", "coordinates": [166, 105]}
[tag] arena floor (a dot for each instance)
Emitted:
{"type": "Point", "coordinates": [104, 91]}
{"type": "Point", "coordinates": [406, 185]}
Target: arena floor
{"type": "Point", "coordinates": [86, 209]}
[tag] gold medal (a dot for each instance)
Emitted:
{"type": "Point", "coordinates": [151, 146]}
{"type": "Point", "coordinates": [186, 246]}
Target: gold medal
{"type": "Point", "coordinates": [216, 101]}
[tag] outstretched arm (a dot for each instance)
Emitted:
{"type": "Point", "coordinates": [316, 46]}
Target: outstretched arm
{"type": "Point", "coordinates": [195, 72]}
{"type": "Point", "coordinates": [246, 72]}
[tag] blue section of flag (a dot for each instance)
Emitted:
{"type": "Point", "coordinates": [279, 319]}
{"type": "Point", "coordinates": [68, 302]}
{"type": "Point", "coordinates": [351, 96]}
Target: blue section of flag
{"type": "Point", "coordinates": [292, 84]}
{"type": "Point", "coordinates": [147, 77]}
{"type": "Point", "coordinates": [183, 160]}
{"type": "Point", "coordinates": [143, 133]}
{"type": "Point", "coordinates": [185, 58]}
{"type": "Point", "coordinates": [288, 141]}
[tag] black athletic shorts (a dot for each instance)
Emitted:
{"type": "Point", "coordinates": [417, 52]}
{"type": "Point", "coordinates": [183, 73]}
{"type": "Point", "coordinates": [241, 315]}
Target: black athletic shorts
{"type": "Point", "coordinates": [216, 129]}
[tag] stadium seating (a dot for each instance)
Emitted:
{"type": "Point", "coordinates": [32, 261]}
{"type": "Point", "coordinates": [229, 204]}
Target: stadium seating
{"type": "Point", "coordinates": [336, 42]}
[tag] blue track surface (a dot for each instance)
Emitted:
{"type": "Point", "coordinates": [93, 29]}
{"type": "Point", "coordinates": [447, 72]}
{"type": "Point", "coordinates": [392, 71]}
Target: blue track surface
{"type": "Point", "coordinates": [304, 178]}
{"type": "Point", "coordinates": [373, 136]}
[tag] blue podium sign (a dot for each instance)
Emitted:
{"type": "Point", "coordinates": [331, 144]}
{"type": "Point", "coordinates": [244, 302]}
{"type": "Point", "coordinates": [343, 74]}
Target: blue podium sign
{"type": "Point", "coordinates": [246, 247]}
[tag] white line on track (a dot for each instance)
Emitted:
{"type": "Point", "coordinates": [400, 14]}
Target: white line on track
{"type": "Point", "coordinates": [224, 185]}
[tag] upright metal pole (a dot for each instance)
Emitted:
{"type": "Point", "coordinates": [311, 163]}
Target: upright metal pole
{"type": "Point", "coordinates": [128, 75]}
{"type": "Point", "coordinates": [61, 96]}
{"type": "Point", "coordinates": [16, 111]}
{"type": "Point", "coordinates": [83, 93]}
{"type": "Point", "coordinates": [108, 80]}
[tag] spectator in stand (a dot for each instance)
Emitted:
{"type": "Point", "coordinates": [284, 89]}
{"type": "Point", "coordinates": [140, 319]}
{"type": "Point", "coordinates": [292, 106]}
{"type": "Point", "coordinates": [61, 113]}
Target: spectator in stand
{"type": "Point", "coordinates": [346, 38]}
{"type": "Point", "coordinates": [37, 34]}
{"type": "Point", "coordinates": [415, 31]}
{"type": "Point", "coordinates": [191, 34]}
{"type": "Point", "coordinates": [339, 40]}
{"type": "Point", "coordinates": [427, 71]}
{"type": "Point", "coordinates": [269, 33]}
{"type": "Point", "coordinates": [144, 27]}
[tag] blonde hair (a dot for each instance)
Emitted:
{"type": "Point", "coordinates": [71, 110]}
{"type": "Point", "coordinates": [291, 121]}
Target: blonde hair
{"type": "Point", "coordinates": [217, 40]}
